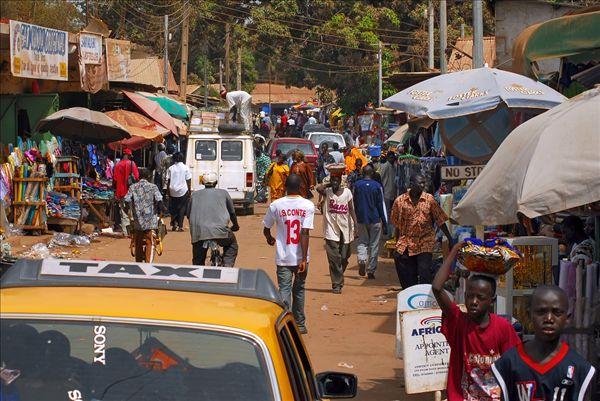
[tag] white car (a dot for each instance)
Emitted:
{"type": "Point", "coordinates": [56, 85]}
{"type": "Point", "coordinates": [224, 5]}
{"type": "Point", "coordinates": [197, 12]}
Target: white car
{"type": "Point", "coordinates": [329, 137]}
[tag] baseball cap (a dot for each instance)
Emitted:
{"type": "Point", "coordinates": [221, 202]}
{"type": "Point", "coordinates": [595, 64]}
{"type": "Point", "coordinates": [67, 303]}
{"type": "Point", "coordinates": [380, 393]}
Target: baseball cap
{"type": "Point", "coordinates": [127, 152]}
{"type": "Point", "coordinates": [209, 178]}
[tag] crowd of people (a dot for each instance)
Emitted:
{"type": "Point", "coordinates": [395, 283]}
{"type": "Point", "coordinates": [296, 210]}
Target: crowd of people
{"type": "Point", "coordinates": [359, 205]}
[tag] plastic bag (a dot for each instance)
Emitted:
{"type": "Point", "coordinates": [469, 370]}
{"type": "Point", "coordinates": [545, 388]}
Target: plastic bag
{"type": "Point", "coordinates": [38, 251]}
{"type": "Point", "coordinates": [65, 239]}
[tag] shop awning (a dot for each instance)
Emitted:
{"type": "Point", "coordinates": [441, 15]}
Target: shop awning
{"type": "Point", "coordinates": [173, 107]}
{"type": "Point", "coordinates": [84, 125]}
{"type": "Point", "coordinates": [556, 38]}
{"type": "Point", "coordinates": [139, 125]}
{"type": "Point", "coordinates": [153, 110]}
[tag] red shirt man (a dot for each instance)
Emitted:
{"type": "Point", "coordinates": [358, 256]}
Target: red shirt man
{"type": "Point", "coordinates": [123, 170]}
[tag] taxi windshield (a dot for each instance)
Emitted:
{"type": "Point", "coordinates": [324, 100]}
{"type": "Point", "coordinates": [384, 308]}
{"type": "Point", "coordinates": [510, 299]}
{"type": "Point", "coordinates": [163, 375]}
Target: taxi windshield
{"type": "Point", "coordinates": [93, 360]}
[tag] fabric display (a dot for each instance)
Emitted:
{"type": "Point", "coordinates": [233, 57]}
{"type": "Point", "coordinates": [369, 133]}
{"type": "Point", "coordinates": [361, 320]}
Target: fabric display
{"type": "Point", "coordinates": [495, 256]}
{"type": "Point", "coordinates": [62, 206]}
{"type": "Point", "coordinates": [97, 189]}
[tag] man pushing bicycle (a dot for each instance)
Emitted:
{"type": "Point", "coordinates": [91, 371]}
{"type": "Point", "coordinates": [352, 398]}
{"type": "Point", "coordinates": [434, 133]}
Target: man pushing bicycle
{"type": "Point", "coordinates": [145, 202]}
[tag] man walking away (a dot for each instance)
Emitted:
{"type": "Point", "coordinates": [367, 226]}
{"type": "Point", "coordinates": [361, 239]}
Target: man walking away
{"type": "Point", "coordinates": [239, 103]}
{"type": "Point", "coordinates": [209, 211]}
{"type": "Point", "coordinates": [371, 218]}
{"type": "Point", "coordinates": [338, 228]}
{"type": "Point", "coordinates": [293, 216]}
{"type": "Point", "coordinates": [338, 156]}
{"type": "Point", "coordinates": [125, 174]}
{"type": "Point", "coordinates": [158, 158]}
{"type": "Point", "coordinates": [413, 215]}
{"type": "Point", "coordinates": [179, 183]}
{"type": "Point", "coordinates": [145, 200]}
{"type": "Point", "coordinates": [387, 172]}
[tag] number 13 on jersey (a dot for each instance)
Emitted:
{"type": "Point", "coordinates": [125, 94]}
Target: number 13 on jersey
{"type": "Point", "coordinates": [293, 231]}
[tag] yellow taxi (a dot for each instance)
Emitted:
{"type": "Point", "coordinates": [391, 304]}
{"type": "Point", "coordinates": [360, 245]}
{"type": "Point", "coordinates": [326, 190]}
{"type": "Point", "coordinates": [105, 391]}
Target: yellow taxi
{"type": "Point", "coordinates": [99, 330]}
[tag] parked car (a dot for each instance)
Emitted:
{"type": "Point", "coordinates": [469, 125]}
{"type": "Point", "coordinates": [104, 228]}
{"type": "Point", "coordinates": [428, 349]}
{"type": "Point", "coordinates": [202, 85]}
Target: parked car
{"type": "Point", "coordinates": [231, 156]}
{"type": "Point", "coordinates": [287, 145]}
{"type": "Point", "coordinates": [317, 138]}
{"type": "Point", "coordinates": [115, 330]}
{"type": "Point", "coordinates": [314, 128]}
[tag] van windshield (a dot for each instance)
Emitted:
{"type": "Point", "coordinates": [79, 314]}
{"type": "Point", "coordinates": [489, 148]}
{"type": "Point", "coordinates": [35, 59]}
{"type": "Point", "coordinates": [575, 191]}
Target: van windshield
{"type": "Point", "coordinates": [85, 360]}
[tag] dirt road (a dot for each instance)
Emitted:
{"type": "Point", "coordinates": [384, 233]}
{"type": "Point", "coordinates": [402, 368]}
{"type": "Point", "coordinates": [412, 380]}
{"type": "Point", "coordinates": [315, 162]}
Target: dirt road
{"type": "Point", "coordinates": [353, 332]}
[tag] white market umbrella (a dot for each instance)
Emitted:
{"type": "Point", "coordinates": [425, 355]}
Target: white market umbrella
{"type": "Point", "coordinates": [548, 164]}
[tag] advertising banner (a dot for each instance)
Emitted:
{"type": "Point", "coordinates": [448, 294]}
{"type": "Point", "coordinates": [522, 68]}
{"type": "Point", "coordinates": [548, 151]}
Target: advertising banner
{"type": "Point", "coordinates": [38, 52]}
{"type": "Point", "coordinates": [118, 55]}
{"type": "Point", "coordinates": [427, 353]}
{"type": "Point", "coordinates": [90, 48]}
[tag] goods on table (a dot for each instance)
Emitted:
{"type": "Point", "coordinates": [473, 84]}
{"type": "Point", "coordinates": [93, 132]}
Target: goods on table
{"type": "Point", "coordinates": [62, 206]}
{"type": "Point", "coordinates": [97, 189]}
{"type": "Point", "coordinates": [495, 256]}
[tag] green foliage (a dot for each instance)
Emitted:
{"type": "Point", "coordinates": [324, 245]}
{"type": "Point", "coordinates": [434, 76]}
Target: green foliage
{"type": "Point", "coordinates": [56, 14]}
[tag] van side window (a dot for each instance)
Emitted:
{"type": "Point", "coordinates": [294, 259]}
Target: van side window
{"type": "Point", "coordinates": [231, 151]}
{"type": "Point", "coordinates": [206, 150]}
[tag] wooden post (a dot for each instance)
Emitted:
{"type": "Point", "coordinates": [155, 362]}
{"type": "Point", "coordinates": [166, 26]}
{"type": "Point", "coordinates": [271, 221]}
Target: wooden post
{"type": "Point", "coordinates": [227, 46]}
{"type": "Point", "coordinates": [184, 57]}
{"type": "Point", "coordinates": [238, 71]}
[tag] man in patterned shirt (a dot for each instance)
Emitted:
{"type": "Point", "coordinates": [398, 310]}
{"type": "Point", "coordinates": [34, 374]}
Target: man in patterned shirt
{"type": "Point", "coordinates": [413, 215]}
{"type": "Point", "coordinates": [145, 200]}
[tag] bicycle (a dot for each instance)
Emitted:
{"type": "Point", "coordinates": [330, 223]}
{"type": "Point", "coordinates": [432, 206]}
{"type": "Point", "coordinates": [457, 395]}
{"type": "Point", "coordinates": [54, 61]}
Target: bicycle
{"type": "Point", "coordinates": [216, 258]}
{"type": "Point", "coordinates": [153, 245]}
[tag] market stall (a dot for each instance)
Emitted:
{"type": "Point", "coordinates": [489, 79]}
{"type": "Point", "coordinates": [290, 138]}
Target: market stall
{"type": "Point", "coordinates": [547, 166]}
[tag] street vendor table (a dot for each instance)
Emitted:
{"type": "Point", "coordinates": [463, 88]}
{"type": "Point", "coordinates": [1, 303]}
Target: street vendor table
{"type": "Point", "coordinates": [102, 209]}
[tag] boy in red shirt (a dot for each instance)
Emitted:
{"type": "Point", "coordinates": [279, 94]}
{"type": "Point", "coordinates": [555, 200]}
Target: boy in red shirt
{"type": "Point", "coordinates": [477, 338]}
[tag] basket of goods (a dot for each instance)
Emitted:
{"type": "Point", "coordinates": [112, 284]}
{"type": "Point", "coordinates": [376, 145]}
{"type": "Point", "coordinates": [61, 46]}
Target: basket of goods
{"type": "Point", "coordinates": [336, 168]}
{"type": "Point", "coordinates": [495, 256]}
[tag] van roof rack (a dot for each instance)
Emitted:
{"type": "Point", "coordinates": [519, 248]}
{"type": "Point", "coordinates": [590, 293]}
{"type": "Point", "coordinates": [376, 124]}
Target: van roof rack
{"type": "Point", "coordinates": [159, 276]}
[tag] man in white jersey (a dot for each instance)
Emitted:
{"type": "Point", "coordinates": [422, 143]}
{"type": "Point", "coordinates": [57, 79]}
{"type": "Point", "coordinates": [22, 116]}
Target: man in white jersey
{"type": "Point", "coordinates": [293, 216]}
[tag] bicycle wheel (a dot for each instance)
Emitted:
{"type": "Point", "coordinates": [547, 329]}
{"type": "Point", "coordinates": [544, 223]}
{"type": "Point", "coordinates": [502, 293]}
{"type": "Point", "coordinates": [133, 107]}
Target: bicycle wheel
{"type": "Point", "coordinates": [149, 250]}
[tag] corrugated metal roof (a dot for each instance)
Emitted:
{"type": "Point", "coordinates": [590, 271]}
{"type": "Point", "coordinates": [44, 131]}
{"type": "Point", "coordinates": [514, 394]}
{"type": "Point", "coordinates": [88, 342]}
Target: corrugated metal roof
{"type": "Point", "coordinates": [149, 71]}
{"type": "Point", "coordinates": [281, 94]}
{"type": "Point", "coordinates": [461, 57]}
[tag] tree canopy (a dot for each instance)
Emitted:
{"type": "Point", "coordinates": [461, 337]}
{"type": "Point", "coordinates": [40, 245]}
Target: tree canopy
{"type": "Point", "coordinates": [328, 44]}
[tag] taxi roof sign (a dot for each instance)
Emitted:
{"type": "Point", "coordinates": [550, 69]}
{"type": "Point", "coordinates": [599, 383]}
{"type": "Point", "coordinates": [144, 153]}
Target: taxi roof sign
{"type": "Point", "coordinates": [161, 276]}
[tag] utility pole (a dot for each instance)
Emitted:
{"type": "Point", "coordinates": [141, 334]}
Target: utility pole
{"type": "Point", "coordinates": [220, 74]}
{"type": "Point", "coordinates": [227, 45]}
{"type": "Point", "coordinates": [430, 14]}
{"type": "Point", "coordinates": [380, 74]}
{"type": "Point", "coordinates": [443, 37]}
{"type": "Point", "coordinates": [269, 86]}
{"type": "Point", "coordinates": [238, 74]}
{"type": "Point", "coordinates": [184, 57]}
{"type": "Point", "coordinates": [206, 73]}
{"type": "Point", "coordinates": [477, 34]}
{"type": "Point", "coordinates": [166, 56]}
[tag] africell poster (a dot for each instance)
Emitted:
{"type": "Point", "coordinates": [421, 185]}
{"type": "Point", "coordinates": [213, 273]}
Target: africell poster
{"type": "Point", "coordinates": [38, 52]}
{"type": "Point", "coordinates": [118, 54]}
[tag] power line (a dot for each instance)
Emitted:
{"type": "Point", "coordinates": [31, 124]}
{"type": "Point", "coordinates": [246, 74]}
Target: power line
{"type": "Point", "coordinates": [379, 29]}
{"type": "Point", "coordinates": [301, 39]}
{"type": "Point", "coordinates": [308, 25]}
{"type": "Point", "coordinates": [320, 34]}
{"type": "Point", "coordinates": [316, 69]}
